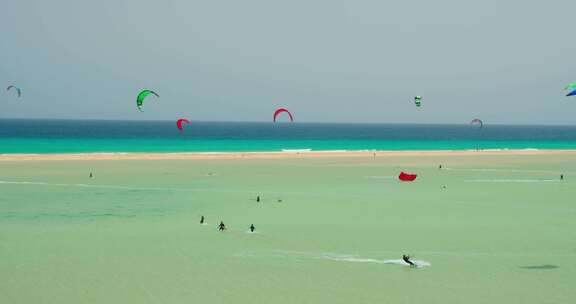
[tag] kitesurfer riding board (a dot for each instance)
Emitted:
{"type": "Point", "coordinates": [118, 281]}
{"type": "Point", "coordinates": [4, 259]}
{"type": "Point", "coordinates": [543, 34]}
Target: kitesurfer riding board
{"type": "Point", "coordinates": [406, 259]}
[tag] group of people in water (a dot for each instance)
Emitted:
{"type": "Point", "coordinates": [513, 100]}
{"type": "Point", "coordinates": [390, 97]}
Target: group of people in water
{"type": "Point", "coordinates": [222, 226]}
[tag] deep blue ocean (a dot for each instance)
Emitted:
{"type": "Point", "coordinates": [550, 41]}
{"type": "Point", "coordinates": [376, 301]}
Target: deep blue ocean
{"type": "Point", "coordinates": [99, 136]}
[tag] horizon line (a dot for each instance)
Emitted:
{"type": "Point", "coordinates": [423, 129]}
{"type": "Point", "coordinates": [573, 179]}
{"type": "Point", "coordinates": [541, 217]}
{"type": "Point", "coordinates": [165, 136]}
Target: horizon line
{"type": "Point", "coordinates": [296, 122]}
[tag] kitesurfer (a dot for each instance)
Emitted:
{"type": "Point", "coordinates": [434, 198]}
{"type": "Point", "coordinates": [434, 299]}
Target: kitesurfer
{"type": "Point", "coordinates": [561, 176]}
{"type": "Point", "coordinates": [221, 227]}
{"type": "Point", "coordinates": [91, 175]}
{"type": "Point", "coordinates": [406, 259]}
{"type": "Point", "coordinates": [258, 198]}
{"type": "Point", "coordinates": [202, 219]}
{"type": "Point", "coordinates": [252, 228]}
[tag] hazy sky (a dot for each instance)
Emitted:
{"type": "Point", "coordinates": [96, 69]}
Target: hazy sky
{"type": "Point", "coordinates": [505, 61]}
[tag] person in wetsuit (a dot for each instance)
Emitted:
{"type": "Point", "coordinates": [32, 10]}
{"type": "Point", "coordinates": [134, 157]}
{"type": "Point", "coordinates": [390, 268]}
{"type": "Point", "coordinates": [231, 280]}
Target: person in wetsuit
{"type": "Point", "coordinates": [252, 228]}
{"type": "Point", "coordinates": [221, 227]}
{"type": "Point", "coordinates": [561, 176]}
{"type": "Point", "coordinates": [202, 219]}
{"type": "Point", "coordinates": [258, 198]}
{"type": "Point", "coordinates": [91, 175]}
{"type": "Point", "coordinates": [406, 259]}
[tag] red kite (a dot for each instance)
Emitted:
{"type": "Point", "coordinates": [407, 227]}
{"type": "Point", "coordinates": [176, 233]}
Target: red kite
{"type": "Point", "coordinates": [405, 177]}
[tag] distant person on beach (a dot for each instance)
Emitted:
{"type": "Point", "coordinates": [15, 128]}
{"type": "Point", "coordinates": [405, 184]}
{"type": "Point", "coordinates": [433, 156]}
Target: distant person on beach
{"type": "Point", "coordinates": [406, 259]}
{"type": "Point", "coordinates": [258, 198]}
{"type": "Point", "coordinates": [252, 228]}
{"type": "Point", "coordinates": [91, 175]}
{"type": "Point", "coordinates": [440, 167]}
{"type": "Point", "coordinates": [221, 227]}
{"type": "Point", "coordinates": [279, 200]}
{"type": "Point", "coordinates": [202, 219]}
{"type": "Point", "coordinates": [561, 176]}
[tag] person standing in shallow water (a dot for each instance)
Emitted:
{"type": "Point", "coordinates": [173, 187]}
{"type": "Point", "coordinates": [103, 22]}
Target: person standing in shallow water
{"type": "Point", "coordinates": [252, 228]}
{"type": "Point", "coordinates": [202, 219]}
{"type": "Point", "coordinates": [258, 198]}
{"type": "Point", "coordinates": [221, 227]}
{"type": "Point", "coordinates": [561, 176]}
{"type": "Point", "coordinates": [91, 175]}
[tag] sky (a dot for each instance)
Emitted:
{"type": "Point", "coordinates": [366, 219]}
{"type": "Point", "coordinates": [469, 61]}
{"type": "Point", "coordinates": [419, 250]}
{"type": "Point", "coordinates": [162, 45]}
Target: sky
{"type": "Point", "coordinates": [326, 60]}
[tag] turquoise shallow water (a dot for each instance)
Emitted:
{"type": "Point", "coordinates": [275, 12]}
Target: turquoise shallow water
{"type": "Point", "coordinates": [46, 146]}
{"type": "Point", "coordinates": [69, 136]}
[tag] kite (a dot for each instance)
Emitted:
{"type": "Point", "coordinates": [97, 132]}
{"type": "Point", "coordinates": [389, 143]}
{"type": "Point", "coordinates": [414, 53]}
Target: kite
{"type": "Point", "coordinates": [405, 177]}
{"type": "Point", "coordinates": [571, 88]}
{"type": "Point", "coordinates": [180, 122]}
{"type": "Point", "coordinates": [18, 91]}
{"type": "Point", "coordinates": [141, 96]}
{"type": "Point", "coordinates": [478, 122]}
{"type": "Point", "coordinates": [280, 111]}
{"type": "Point", "coordinates": [418, 101]}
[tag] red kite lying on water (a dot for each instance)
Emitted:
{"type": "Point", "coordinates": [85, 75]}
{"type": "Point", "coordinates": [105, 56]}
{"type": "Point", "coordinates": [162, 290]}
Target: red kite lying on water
{"type": "Point", "coordinates": [405, 177]}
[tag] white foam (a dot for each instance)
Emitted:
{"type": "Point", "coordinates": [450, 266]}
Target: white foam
{"type": "Point", "coordinates": [497, 170]}
{"type": "Point", "coordinates": [206, 190]}
{"type": "Point", "coordinates": [511, 180]}
{"type": "Point", "coordinates": [296, 150]}
{"type": "Point", "coordinates": [334, 151]}
{"type": "Point", "coordinates": [356, 259]}
{"type": "Point", "coordinates": [119, 187]}
{"type": "Point", "coordinates": [505, 149]}
{"type": "Point", "coordinates": [330, 256]}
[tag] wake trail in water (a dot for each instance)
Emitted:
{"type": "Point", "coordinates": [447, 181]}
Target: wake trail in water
{"type": "Point", "coordinates": [500, 170]}
{"type": "Point", "coordinates": [132, 188]}
{"type": "Point", "coordinates": [380, 177]}
{"type": "Point", "coordinates": [119, 187]}
{"type": "Point", "coordinates": [331, 257]}
{"type": "Point", "coordinates": [511, 181]}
